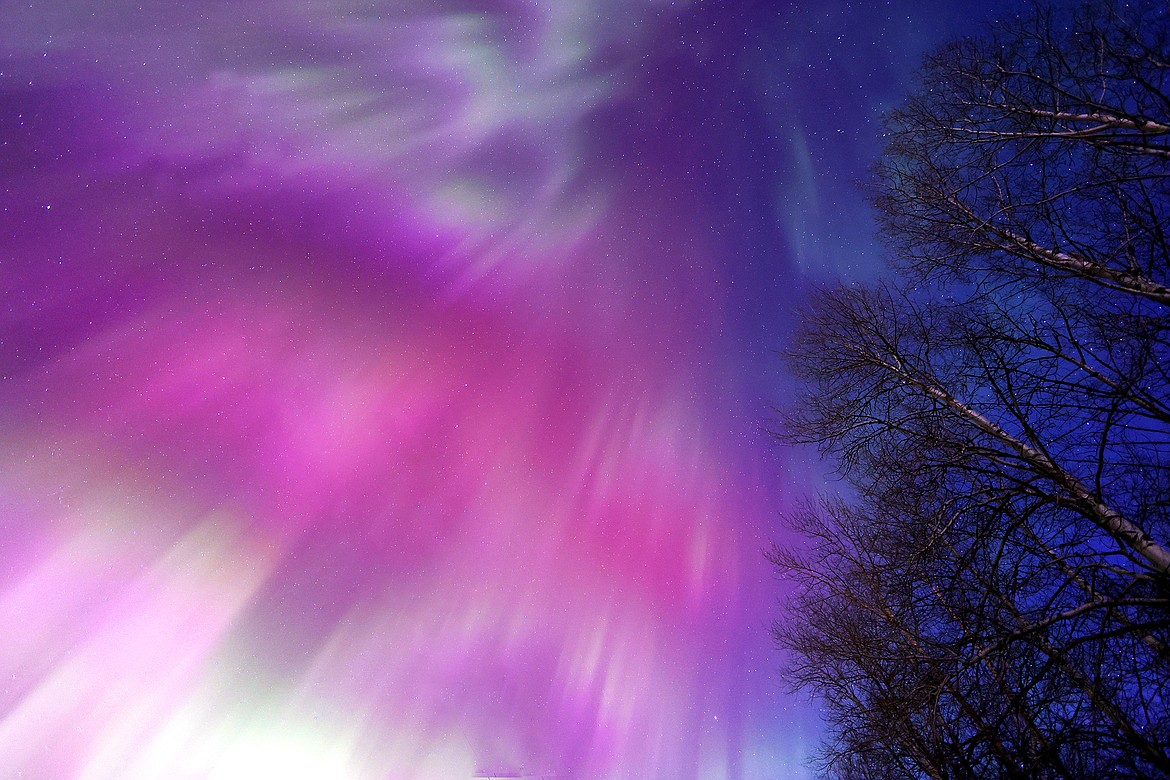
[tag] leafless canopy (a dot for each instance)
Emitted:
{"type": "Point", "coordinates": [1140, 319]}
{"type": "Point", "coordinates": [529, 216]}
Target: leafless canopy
{"type": "Point", "coordinates": [994, 598]}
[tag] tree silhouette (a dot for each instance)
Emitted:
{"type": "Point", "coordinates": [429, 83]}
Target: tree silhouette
{"type": "Point", "coordinates": [994, 598]}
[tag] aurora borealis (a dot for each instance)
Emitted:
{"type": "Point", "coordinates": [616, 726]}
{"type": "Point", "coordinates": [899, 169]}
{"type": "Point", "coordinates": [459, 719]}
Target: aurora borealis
{"type": "Point", "coordinates": [384, 385]}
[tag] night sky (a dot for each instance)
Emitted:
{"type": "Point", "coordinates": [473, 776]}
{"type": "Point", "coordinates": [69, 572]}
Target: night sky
{"type": "Point", "coordinates": [385, 386]}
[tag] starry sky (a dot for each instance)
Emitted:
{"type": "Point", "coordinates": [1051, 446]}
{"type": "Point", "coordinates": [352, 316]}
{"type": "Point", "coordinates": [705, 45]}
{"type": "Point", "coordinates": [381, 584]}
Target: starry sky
{"type": "Point", "coordinates": [385, 386]}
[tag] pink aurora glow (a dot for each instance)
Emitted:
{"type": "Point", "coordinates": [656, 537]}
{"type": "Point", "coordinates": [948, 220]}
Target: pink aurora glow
{"type": "Point", "coordinates": [351, 428]}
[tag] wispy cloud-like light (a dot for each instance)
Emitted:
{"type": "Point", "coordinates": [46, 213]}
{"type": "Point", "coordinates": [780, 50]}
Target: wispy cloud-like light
{"type": "Point", "coordinates": [340, 437]}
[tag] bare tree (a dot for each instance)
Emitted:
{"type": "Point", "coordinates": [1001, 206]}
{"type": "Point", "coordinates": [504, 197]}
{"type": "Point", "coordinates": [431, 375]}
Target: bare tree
{"type": "Point", "coordinates": [1040, 152]}
{"type": "Point", "coordinates": [994, 601]}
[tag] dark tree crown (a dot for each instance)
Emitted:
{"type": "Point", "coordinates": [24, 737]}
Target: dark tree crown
{"type": "Point", "coordinates": [995, 599]}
